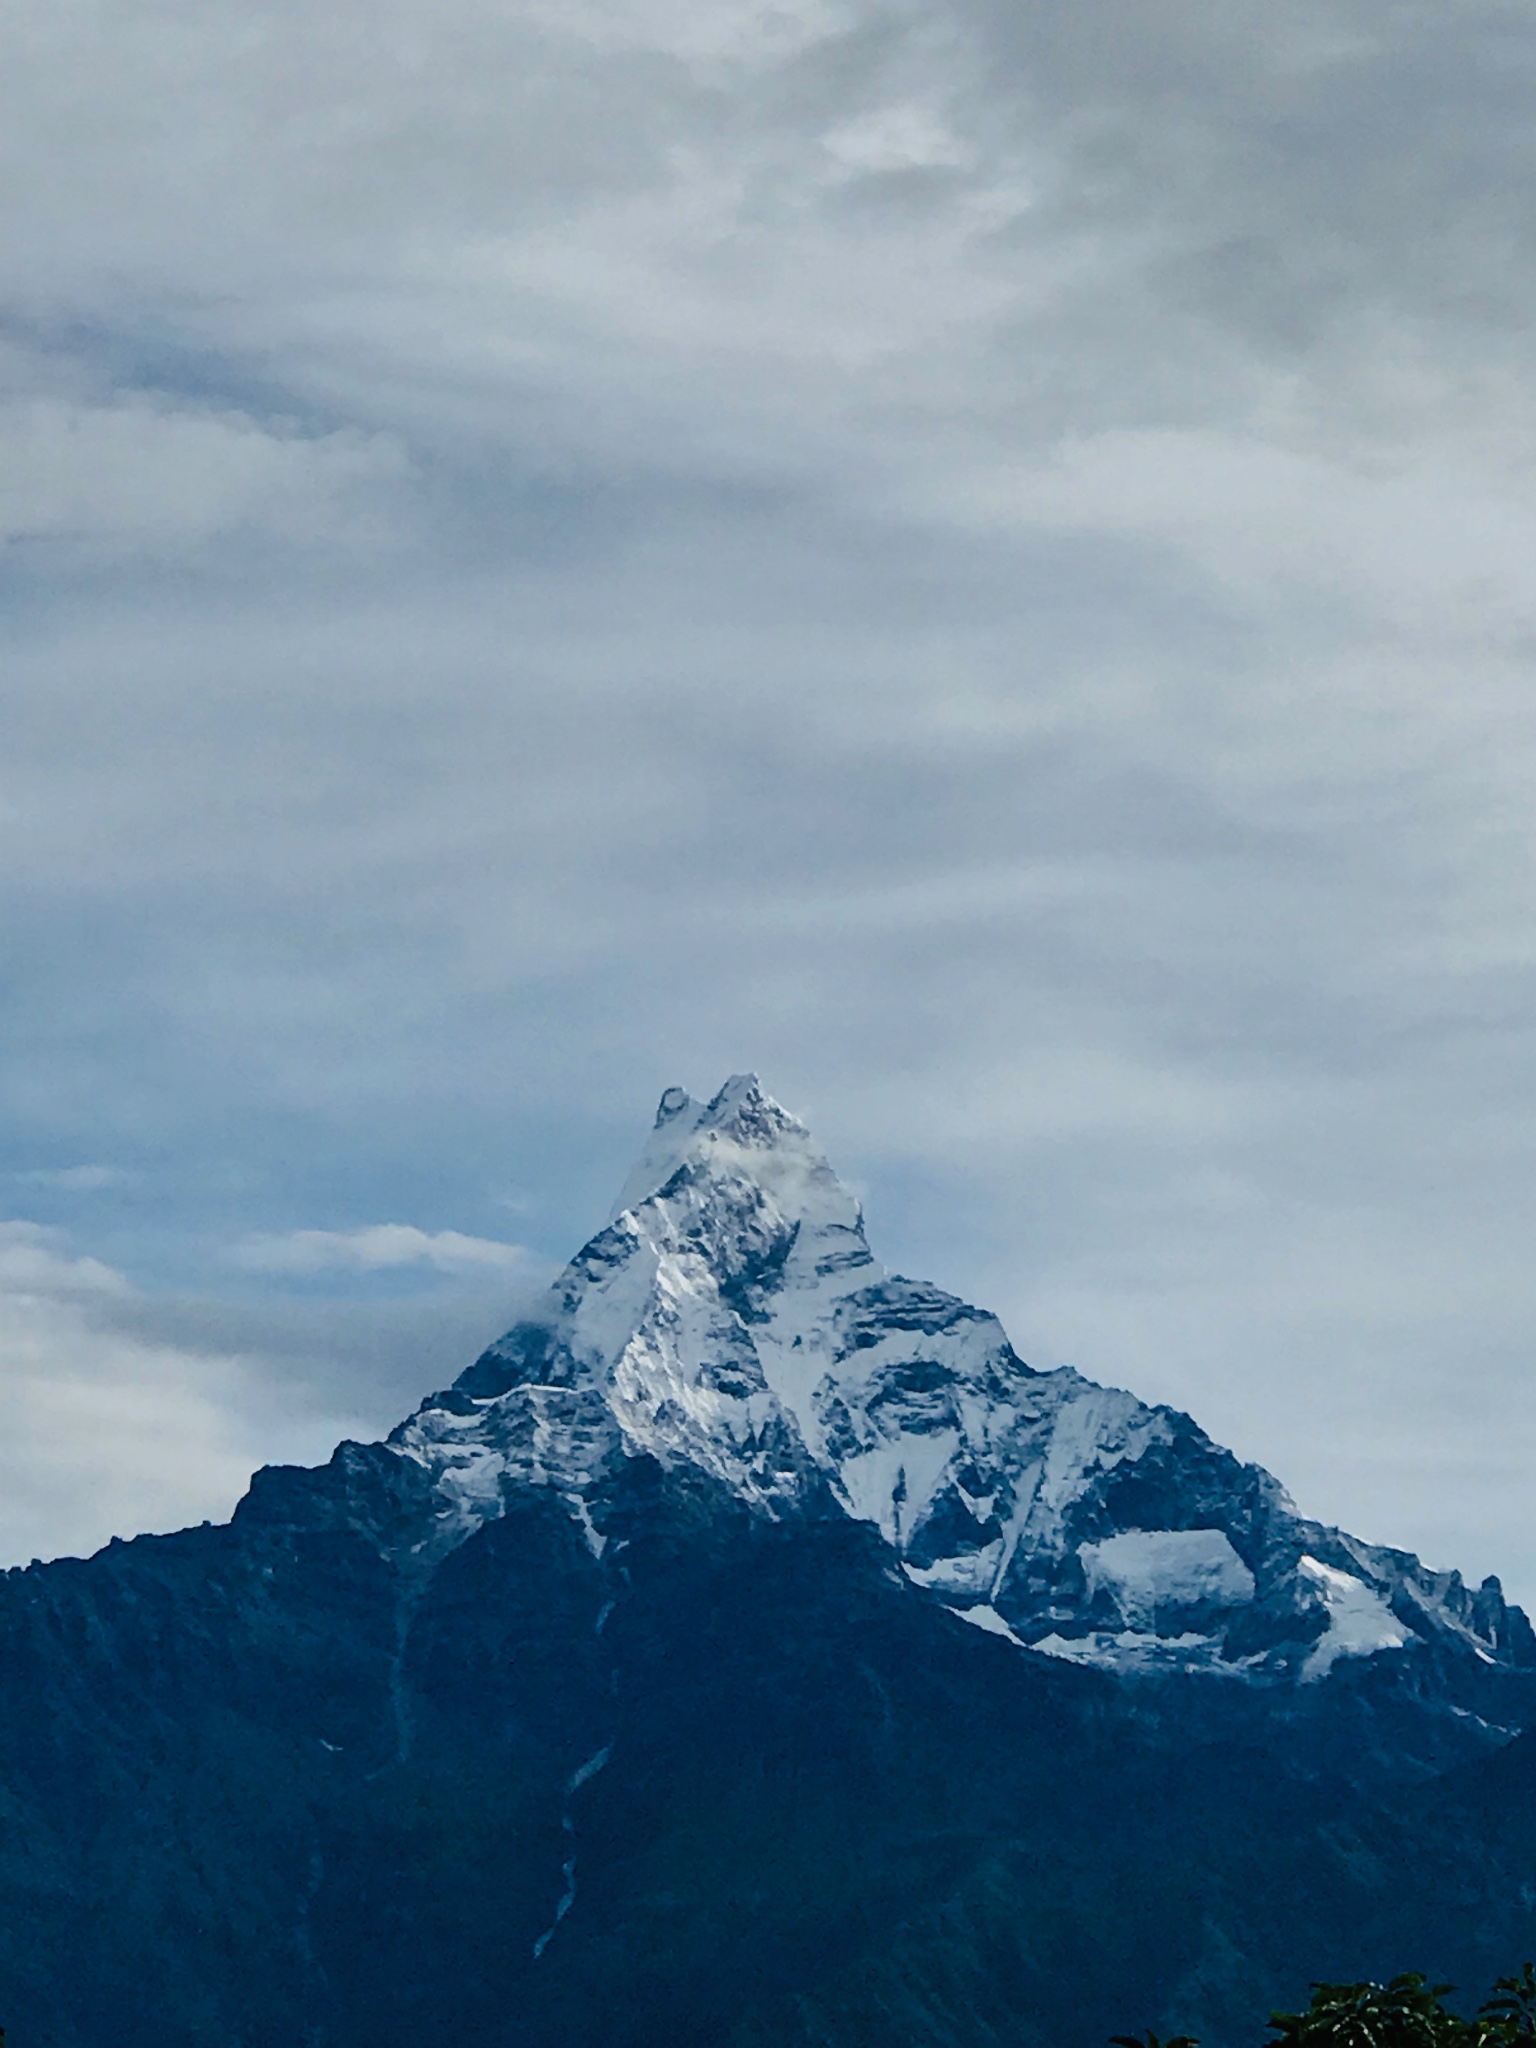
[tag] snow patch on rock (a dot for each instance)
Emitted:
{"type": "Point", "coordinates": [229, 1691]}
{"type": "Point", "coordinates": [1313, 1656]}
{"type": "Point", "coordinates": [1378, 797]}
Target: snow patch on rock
{"type": "Point", "coordinates": [1360, 1623]}
{"type": "Point", "coordinates": [1145, 1569]}
{"type": "Point", "coordinates": [984, 1617]}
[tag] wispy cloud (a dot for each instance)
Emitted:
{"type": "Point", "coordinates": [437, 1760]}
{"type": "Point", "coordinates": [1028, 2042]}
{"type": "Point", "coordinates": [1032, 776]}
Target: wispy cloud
{"type": "Point", "coordinates": [36, 1262]}
{"type": "Point", "coordinates": [127, 1411]}
{"type": "Point", "coordinates": [165, 476]}
{"type": "Point", "coordinates": [377, 1247]}
{"type": "Point", "coordinates": [107, 1433]}
{"type": "Point", "coordinates": [85, 1179]}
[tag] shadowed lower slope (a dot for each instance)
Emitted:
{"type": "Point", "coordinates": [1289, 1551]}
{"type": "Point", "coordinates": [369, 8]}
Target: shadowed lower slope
{"type": "Point", "coordinates": [260, 1785]}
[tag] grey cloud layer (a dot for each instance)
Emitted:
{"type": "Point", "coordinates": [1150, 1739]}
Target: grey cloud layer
{"type": "Point", "coordinates": [977, 559]}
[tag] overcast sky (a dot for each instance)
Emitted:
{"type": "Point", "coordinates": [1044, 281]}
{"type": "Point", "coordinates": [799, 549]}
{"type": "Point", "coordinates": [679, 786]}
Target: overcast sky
{"type": "Point", "coordinates": [976, 557]}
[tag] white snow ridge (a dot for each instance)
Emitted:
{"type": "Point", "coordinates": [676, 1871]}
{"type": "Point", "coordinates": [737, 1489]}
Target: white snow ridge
{"type": "Point", "coordinates": [732, 1318]}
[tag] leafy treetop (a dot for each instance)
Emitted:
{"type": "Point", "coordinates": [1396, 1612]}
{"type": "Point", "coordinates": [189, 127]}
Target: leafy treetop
{"type": "Point", "coordinates": [1410, 2012]}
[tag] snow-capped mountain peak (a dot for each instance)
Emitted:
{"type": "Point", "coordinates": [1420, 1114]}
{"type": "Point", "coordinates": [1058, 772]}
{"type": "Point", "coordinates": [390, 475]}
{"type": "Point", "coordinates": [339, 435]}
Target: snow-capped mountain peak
{"type": "Point", "coordinates": [740, 1116]}
{"type": "Point", "coordinates": [732, 1318]}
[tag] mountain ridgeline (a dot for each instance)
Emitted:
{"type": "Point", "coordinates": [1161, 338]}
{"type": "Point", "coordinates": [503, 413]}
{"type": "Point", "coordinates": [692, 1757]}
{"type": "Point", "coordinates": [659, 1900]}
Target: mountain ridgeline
{"type": "Point", "coordinates": [751, 1649]}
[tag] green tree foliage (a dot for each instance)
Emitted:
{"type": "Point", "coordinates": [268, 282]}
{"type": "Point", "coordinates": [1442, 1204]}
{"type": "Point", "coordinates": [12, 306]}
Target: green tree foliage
{"type": "Point", "coordinates": [1407, 2013]}
{"type": "Point", "coordinates": [1410, 2012]}
{"type": "Point", "coordinates": [1509, 2012]}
